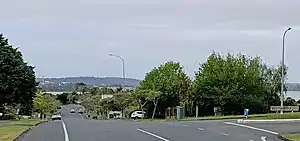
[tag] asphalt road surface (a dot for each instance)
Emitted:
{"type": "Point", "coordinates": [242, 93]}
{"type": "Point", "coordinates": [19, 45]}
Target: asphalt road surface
{"type": "Point", "coordinates": [281, 128]}
{"type": "Point", "coordinates": [74, 127]}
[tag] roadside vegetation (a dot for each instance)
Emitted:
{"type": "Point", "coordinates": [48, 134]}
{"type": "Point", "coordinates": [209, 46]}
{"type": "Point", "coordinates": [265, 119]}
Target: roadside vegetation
{"type": "Point", "coordinates": [293, 137]}
{"type": "Point", "coordinates": [230, 82]}
{"type": "Point", "coordinates": [12, 129]}
{"type": "Point", "coordinates": [19, 96]}
{"type": "Point", "coordinates": [227, 81]}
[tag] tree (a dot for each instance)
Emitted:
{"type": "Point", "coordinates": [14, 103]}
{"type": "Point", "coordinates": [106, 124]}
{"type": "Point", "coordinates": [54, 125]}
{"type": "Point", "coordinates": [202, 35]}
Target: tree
{"type": "Point", "coordinates": [45, 103]}
{"type": "Point", "coordinates": [123, 101]}
{"type": "Point", "coordinates": [154, 97]}
{"type": "Point", "coordinates": [17, 78]}
{"type": "Point", "coordinates": [63, 98]}
{"type": "Point", "coordinates": [234, 83]}
{"type": "Point", "coordinates": [141, 97]}
{"type": "Point", "coordinates": [290, 102]}
{"type": "Point", "coordinates": [171, 80]}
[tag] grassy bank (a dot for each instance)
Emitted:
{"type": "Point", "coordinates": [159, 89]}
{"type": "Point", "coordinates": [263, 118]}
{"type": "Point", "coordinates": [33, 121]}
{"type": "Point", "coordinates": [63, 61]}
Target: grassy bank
{"type": "Point", "coordinates": [12, 129]}
{"type": "Point", "coordinates": [294, 137]}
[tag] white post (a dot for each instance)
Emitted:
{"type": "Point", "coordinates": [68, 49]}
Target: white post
{"type": "Point", "coordinates": [196, 111]}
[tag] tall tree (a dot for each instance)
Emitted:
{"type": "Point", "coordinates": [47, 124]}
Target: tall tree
{"type": "Point", "coordinates": [17, 78]}
{"type": "Point", "coordinates": [234, 82]}
{"type": "Point", "coordinates": [171, 80]}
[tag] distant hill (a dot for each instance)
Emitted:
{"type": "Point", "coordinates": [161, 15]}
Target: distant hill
{"type": "Point", "coordinates": [293, 86]}
{"type": "Point", "coordinates": [105, 81]}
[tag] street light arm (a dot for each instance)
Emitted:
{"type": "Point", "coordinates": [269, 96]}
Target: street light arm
{"type": "Point", "coordinates": [123, 66]}
{"type": "Point", "coordinates": [117, 57]}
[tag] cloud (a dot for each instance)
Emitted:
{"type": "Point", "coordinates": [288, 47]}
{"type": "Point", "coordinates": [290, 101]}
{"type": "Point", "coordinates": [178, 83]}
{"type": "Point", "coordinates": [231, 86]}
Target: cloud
{"type": "Point", "coordinates": [151, 26]}
{"type": "Point", "coordinates": [70, 33]}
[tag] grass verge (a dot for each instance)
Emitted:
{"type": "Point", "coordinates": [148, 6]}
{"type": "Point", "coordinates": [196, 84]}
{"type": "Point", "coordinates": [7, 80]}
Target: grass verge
{"type": "Point", "coordinates": [27, 122]}
{"type": "Point", "coordinates": [8, 133]}
{"type": "Point", "coordinates": [12, 129]}
{"type": "Point", "coordinates": [294, 137]}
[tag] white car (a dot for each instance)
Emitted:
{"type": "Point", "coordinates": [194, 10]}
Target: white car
{"type": "Point", "coordinates": [56, 117]}
{"type": "Point", "coordinates": [138, 114]}
{"type": "Point", "coordinates": [72, 111]}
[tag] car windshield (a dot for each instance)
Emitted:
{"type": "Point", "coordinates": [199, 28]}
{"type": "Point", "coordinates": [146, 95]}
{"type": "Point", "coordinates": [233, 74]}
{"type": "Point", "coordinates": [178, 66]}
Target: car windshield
{"type": "Point", "coordinates": [149, 70]}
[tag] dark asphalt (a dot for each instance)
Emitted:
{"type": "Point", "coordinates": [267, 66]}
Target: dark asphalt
{"type": "Point", "coordinates": [50, 131]}
{"type": "Point", "coordinates": [80, 129]}
{"type": "Point", "coordinates": [281, 128]}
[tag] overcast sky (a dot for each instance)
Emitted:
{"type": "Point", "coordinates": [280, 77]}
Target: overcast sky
{"type": "Point", "coordinates": [74, 37]}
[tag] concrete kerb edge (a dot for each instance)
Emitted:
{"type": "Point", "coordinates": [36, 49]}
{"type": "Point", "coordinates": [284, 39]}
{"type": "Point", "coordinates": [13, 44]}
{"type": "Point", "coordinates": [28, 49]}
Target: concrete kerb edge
{"type": "Point", "coordinates": [270, 120]}
{"type": "Point", "coordinates": [18, 137]}
{"type": "Point", "coordinates": [283, 138]}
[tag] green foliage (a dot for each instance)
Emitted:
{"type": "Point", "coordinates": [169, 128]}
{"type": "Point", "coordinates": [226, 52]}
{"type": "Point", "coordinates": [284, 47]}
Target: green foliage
{"type": "Point", "coordinates": [290, 102]}
{"type": "Point", "coordinates": [234, 83]}
{"type": "Point", "coordinates": [17, 78]}
{"type": "Point", "coordinates": [45, 103]}
{"type": "Point", "coordinates": [63, 98]}
{"type": "Point", "coordinates": [171, 80]}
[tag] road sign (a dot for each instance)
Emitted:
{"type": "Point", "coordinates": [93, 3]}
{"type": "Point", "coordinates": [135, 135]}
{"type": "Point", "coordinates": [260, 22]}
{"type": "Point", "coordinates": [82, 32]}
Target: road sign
{"type": "Point", "coordinates": [285, 108]}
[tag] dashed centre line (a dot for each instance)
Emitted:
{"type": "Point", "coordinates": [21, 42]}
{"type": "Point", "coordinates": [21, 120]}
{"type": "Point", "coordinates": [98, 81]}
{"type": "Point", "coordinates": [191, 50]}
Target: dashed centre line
{"type": "Point", "coordinates": [201, 129]}
{"type": "Point", "coordinates": [224, 134]}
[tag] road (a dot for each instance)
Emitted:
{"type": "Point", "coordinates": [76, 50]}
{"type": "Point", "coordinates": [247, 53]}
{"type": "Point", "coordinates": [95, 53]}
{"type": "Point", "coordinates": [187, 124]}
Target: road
{"type": "Point", "coordinates": [74, 127]}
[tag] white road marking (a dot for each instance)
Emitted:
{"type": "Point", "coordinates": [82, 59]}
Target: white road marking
{"type": "Point", "coordinates": [263, 138]}
{"type": "Point", "coordinates": [146, 132]}
{"type": "Point", "coordinates": [250, 127]}
{"type": "Point", "coordinates": [250, 140]}
{"type": "Point", "coordinates": [201, 129]}
{"type": "Point", "coordinates": [224, 134]}
{"type": "Point", "coordinates": [183, 125]}
{"type": "Point", "coordinates": [65, 131]}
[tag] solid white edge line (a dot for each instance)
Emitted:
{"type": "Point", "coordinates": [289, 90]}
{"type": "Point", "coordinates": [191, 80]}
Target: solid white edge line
{"type": "Point", "coordinates": [146, 132]}
{"type": "Point", "coordinates": [250, 127]}
{"type": "Point", "coordinates": [65, 131]}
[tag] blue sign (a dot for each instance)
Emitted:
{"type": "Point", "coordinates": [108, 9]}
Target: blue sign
{"type": "Point", "coordinates": [246, 112]}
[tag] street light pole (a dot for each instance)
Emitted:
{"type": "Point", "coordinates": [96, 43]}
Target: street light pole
{"type": "Point", "coordinates": [123, 66]}
{"type": "Point", "coordinates": [282, 70]}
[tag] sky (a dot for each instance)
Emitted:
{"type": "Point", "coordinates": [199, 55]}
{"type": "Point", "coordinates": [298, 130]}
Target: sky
{"type": "Point", "coordinates": [74, 37]}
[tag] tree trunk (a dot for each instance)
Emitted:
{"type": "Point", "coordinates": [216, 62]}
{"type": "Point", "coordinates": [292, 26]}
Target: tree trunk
{"type": "Point", "coordinates": [155, 105]}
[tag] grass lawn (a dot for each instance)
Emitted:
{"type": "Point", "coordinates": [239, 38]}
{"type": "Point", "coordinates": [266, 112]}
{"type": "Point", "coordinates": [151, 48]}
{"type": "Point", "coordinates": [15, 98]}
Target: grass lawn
{"type": "Point", "coordinates": [295, 115]}
{"type": "Point", "coordinates": [294, 137]}
{"type": "Point", "coordinates": [13, 128]}
{"type": "Point", "coordinates": [8, 133]}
